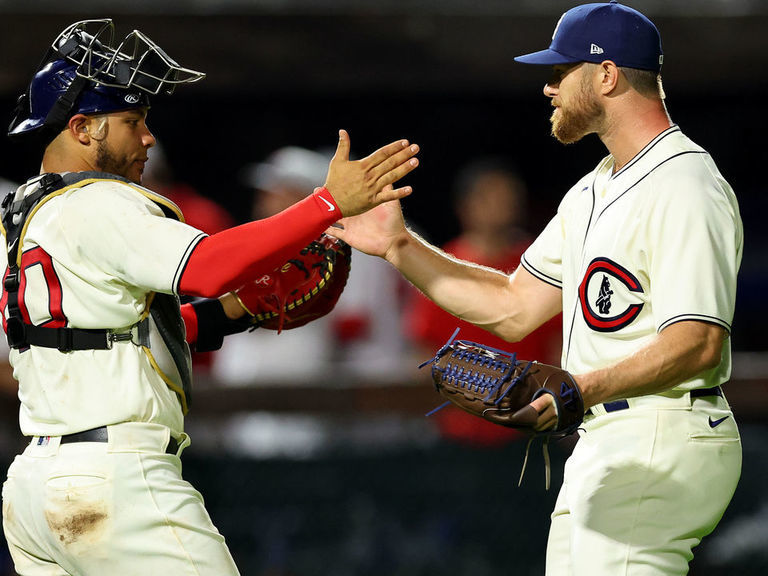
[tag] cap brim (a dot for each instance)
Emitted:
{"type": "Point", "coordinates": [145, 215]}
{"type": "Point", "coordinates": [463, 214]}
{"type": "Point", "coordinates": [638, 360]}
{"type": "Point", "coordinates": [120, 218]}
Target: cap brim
{"type": "Point", "coordinates": [546, 57]}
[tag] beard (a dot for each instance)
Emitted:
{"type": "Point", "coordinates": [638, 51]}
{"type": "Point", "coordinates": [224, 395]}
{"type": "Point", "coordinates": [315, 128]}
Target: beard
{"type": "Point", "coordinates": [110, 162]}
{"type": "Point", "coordinates": [582, 117]}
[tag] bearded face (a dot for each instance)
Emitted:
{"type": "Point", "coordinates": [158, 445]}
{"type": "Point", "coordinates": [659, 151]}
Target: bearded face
{"type": "Point", "coordinates": [122, 141]}
{"type": "Point", "coordinates": [113, 162]}
{"type": "Point", "coordinates": [579, 113]}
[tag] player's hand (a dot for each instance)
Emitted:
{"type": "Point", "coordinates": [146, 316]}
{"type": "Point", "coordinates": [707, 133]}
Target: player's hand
{"type": "Point", "coordinates": [375, 232]}
{"type": "Point", "coordinates": [545, 407]}
{"type": "Point", "coordinates": [359, 185]}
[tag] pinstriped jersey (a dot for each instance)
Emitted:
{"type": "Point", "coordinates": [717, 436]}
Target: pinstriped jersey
{"type": "Point", "coordinates": [657, 242]}
{"type": "Point", "coordinates": [91, 257]}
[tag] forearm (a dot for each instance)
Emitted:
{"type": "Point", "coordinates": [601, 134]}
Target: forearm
{"type": "Point", "coordinates": [225, 261]}
{"type": "Point", "coordinates": [473, 293]}
{"type": "Point", "coordinates": [677, 354]}
{"type": "Point", "coordinates": [510, 307]}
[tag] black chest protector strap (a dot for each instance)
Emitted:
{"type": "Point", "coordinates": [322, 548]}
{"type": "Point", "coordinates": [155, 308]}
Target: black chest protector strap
{"type": "Point", "coordinates": [160, 332]}
{"type": "Point", "coordinates": [21, 334]}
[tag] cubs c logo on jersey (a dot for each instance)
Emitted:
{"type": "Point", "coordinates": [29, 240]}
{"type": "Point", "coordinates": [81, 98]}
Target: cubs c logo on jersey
{"type": "Point", "coordinates": [606, 295]}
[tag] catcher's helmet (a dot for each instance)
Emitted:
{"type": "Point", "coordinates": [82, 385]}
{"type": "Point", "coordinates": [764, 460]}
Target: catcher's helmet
{"type": "Point", "coordinates": [52, 83]}
{"type": "Point", "coordinates": [84, 73]}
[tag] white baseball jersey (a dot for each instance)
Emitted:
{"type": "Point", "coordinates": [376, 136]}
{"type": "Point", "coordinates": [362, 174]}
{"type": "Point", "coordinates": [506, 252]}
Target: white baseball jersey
{"type": "Point", "coordinates": [657, 242]}
{"type": "Point", "coordinates": [92, 255]}
{"type": "Point", "coordinates": [634, 251]}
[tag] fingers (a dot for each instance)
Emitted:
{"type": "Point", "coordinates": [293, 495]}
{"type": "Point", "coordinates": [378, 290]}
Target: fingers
{"type": "Point", "coordinates": [388, 193]}
{"type": "Point", "coordinates": [388, 164]}
{"type": "Point", "coordinates": [335, 232]}
{"type": "Point", "coordinates": [526, 417]}
{"type": "Point", "coordinates": [540, 414]}
{"type": "Point", "coordinates": [541, 403]}
{"type": "Point", "coordinates": [384, 152]}
{"type": "Point", "coordinates": [546, 410]}
{"type": "Point", "coordinates": [342, 148]}
{"type": "Point", "coordinates": [402, 158]}
{"type": "Point", "coordinates": [397, 172]}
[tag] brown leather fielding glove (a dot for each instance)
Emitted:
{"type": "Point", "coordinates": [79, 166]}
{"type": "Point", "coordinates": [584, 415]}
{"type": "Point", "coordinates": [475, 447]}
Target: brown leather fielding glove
{"type": "Point", "coordinates": [494, 385]}
{"type": "Point", "coordinates": [303, 289]}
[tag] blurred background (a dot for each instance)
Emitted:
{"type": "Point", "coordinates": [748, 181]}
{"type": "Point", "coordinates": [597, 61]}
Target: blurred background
{"type": "Point", "coordinates": [312, 448]}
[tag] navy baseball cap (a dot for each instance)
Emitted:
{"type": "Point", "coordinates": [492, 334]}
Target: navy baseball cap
{"type": "Point", "coordinates": [602, 31]}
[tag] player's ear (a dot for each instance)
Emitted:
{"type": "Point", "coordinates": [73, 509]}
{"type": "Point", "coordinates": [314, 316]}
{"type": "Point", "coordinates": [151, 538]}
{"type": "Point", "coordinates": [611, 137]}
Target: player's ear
{"type": "Point", "coordinates": [78, 128]}
{"type": "Point", "coordinates": [609, 76]}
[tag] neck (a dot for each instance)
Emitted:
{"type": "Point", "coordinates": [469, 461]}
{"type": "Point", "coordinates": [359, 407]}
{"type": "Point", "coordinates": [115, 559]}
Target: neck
{"type": "Point", "coordinates": [61, 165]}
{"type": "Point", "coordinates": [61, 156]}
{"type": "Point", "coordinates": [628, 129]}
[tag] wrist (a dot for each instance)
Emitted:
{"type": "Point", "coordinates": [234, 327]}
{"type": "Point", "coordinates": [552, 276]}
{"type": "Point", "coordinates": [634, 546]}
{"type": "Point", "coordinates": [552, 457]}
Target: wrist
{"type": "Point", "coordinates": [326, 201]}
{"type": "Point", "coordinates": [213, 324]}
{"type": "Point", "coordinates": [588, 386]}
{"type": "Point", "coordinates": [399, 245]}
{"type": "Point", "coordinates": [233, 306]}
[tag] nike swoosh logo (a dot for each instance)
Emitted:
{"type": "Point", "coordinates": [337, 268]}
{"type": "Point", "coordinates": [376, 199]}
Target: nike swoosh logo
{"type": "Point", "coordinates": [713, 423]}
{"type": "Point", "coordinates": [331, 207]}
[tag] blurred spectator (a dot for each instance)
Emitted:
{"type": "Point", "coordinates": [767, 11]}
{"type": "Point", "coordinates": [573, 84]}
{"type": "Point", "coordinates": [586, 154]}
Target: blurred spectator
{"type": "Point", "coordinates": [199, 211]}
{"type": "Point", "coordinates": [490, 202]}
{"type": "Point", "coordinates": [359, 338]}
{"type": "Point", "coordinates": [366, 322]}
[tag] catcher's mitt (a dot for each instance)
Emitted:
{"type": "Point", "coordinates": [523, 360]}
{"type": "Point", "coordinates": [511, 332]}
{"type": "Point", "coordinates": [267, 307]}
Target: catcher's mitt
{"type": "Point", "coordinates": [303, 289]}
{"type": "Point", "coordinates": [494, 385]}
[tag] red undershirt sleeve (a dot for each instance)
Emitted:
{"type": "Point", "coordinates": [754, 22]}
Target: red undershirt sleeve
{"type": "Point", "coordinates": [190, 322]}
{"type": "Point", "coordinates": [227, 260]}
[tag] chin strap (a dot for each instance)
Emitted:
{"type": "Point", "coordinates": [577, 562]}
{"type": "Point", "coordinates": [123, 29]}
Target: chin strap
{"type": "Point", "coordinates": [62, 109]}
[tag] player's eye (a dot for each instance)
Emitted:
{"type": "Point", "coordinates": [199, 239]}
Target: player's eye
{"type": "Point", "coordinates": [559, 72]}
{"type": "Point", "coordinates": [555, 77]}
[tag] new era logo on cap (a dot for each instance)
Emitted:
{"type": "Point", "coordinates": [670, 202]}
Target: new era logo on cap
{"type": "Point", "coordinates": [602, 31]}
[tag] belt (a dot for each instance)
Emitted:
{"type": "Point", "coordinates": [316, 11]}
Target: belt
{"type": "Point", "coordinates": [100, 435]}
{"type": "Point", "coordinates": [695, 393]}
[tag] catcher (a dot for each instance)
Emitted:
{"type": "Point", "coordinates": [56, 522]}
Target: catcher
{"type": "Point", "coordinates": [94, 267]}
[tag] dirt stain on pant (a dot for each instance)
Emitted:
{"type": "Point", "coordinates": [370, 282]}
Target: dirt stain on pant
{"type": "Point", "coordinates": [70, 529]}
{"type": "Point", "coordinates": [78, 515]}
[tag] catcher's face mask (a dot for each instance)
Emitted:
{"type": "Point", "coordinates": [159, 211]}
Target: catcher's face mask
{"type": "Point", "coordinates": [84, 72]}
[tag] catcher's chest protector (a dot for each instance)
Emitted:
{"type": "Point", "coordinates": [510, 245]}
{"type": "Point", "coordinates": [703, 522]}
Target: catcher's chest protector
{"type": "Point", "coordinates": [160, 332]}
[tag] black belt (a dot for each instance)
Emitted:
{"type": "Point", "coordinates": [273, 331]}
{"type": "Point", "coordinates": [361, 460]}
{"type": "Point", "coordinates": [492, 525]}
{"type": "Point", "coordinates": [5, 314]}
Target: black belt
{"type": "Point", "coordinates": [696, 393]}
{"type": "Point", "coordinates": [100, 435]}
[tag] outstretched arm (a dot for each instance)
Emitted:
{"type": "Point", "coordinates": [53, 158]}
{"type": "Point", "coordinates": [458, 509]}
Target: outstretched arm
{"type": "Point", "coordinates": [229, 259]}
{"type": "Point", "coordinates": [509, 306]}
